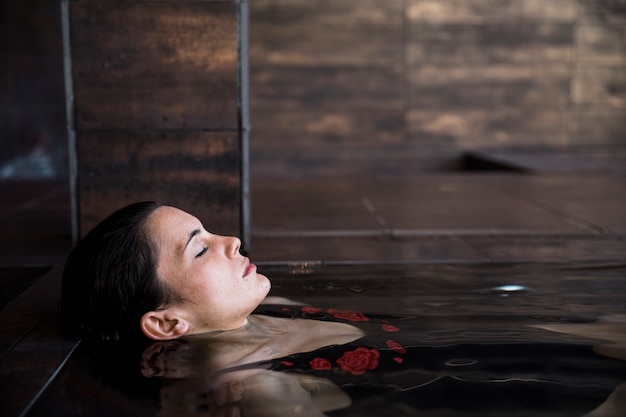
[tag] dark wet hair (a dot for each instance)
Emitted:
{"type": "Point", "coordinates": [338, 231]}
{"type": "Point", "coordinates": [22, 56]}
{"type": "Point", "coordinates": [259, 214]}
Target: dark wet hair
{"type": "Point", "coordinates": [110, 279]}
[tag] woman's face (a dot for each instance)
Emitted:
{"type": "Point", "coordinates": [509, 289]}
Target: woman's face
{"type": "Point", "coordinates": [218, 285]}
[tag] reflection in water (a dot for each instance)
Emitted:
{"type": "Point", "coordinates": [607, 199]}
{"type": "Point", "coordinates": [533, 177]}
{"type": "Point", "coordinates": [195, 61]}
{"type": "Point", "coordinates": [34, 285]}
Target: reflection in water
{"type": "Point", "coordinates": [229, 373]}
{"type": "Point", "coordinates": [251, 392]}
{"type": "Point", "coordinates": [433, 340]}
{"type": "Point", "coordinates": [612, 331]}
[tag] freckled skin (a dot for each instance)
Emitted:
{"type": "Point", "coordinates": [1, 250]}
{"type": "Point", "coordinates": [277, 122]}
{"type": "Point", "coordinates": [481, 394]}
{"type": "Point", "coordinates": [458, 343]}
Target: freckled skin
{"type": "Point", "coordinates": [219, 286]}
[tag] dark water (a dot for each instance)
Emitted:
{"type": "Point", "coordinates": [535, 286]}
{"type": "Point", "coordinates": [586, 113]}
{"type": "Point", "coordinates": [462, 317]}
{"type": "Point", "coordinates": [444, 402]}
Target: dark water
{"type": "Point", "coordinates": [509, 340]}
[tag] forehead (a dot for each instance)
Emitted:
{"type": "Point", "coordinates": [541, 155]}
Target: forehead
{"type": "Point", "coordinates": [170, 223]}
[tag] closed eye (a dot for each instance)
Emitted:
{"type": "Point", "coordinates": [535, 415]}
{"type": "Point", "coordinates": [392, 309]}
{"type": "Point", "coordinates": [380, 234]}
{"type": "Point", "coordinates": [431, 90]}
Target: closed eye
{"type": "Point", "coordinates": [202, 252]}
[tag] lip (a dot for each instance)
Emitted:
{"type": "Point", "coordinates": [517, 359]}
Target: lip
{"type": "Point", "coordinates": [249, 268]}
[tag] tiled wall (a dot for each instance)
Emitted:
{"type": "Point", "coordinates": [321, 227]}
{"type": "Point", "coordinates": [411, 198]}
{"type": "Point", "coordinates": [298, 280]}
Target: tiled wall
{"type": "Point", "coordinates": [157, 108]}
{"type": "Point", "coordinates": [353, 86]}
{"type": "Point", "coordinates": [347, 86]}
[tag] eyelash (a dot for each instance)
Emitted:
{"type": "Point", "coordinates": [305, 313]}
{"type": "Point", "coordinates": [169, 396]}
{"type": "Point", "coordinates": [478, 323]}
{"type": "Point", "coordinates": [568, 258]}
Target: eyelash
{"type": "Point", "coordinates": [202, 252]}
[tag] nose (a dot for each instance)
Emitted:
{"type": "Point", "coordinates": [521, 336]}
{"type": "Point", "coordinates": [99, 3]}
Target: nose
{"type": "Point", "coordinates": [232, 245]}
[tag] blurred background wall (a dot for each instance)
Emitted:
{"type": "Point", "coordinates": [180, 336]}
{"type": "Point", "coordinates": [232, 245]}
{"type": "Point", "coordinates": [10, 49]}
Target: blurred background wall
{"type": "Point", "coordinates": [396, 86]}
{"type": "Point", "coordinates": [347, 87]}
{"type": "Point", "coordinates": [33, 141]}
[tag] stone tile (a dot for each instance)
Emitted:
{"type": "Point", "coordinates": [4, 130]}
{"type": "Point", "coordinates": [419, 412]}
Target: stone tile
{"type": "Point", "coordinates": [24, 313]}
{"type": "Point", "coordinates": [280, 130]}
{"type": "Point", "coordinates": [562, 188]}
{"type": "Point", "coordinates": [321, 218]}
{"type": "Point", "coordinates": [324, 12]}
{"type": "Point", "coordinates": [38, 231]}
{"type": "Point", "coordinates": [603, 206]}
{"type": "Point", "coordinates": [42, 220]}
{"type": "Point", "coordinates": [327, 88]}
{"type": "Point", "coordinates": [32, 117]}
{"type": "Point", "coordinates": [494, 214]}
{"type": "Point", "coordinates": [14, 280]}
{"type": "Point", "coordinates": [415, 190]}
{"type": "Point", "coordinates": [329, 45]}
{"type": "Point", "coordinates": [35, 220]}
{"type": "Point", "coordinates": [358, 162]}
{"type": "Point", "coordinates": [469, 129]}
{"type": "Point", "coordinates": [547, 162]}
{"type": "Point", "coordinates": [552, 11]}
{"type": "Point", "coordinates": [19, 194]}
{"type": "Point", "coordinates": [597, 128]}
{"type": "Point", "coordinates": [514, 56]}
{"type": "Point", "coordinates": [315, 34]}
{"type": "Point", "coordinates": [285, 250]}
{"type": "Point", "coordinates": [306, 191]}
{"type": "Point", "coordinates": [460, 11]}
{"type": "Point", "coordinates": [309, 216]}
{"type": "Point", "coordinates": [399, 249]}
{"type": "Point", "coordinates": [33, 29]}
{"type": "Point", "coordinates": [609, 215]}
{"type": "Point", "coordinates": [135, 66]}
{"type": "Point", "coordinates": [612, 11]}
{"type": "Point", "coordinates": [489, 86]}
{"type": "Point", "coordinates": [307, 207]}
{"type": "Point", "coordinates": [35, 250]}
{"type": "Point", "coordinates": [325, 107]}
{"type": "Point", "coordinates": [201, 177]}
{"type": "Point", "coordinates": [26, 370]}
{"type": "Point", "coordinates": [436, 205]}
{"type": "Point", "coordinates": [598, 201]}
{"type": "Point", "coordinates": [493, 44]}
{"type": "Point", "coordinates": [551, 249]}
{"type": "Point", "coordinates": [168, 1]}
{"type": "Point", "coordinates": [601, 43]}
{"type": "Point", "coordinates": [599, 87]}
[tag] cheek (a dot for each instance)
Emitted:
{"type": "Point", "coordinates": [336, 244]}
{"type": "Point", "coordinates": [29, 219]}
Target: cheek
{"type": "Point", "coordinates": [193, 288]}
{"type": "Point", "coordinates": [210, 284]}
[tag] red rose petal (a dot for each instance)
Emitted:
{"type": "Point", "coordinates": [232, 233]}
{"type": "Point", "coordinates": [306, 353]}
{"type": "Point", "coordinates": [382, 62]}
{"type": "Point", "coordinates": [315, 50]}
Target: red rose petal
{"type": "Point", "coordinates": [396, 346]}
{"type": "Point", "coordinates": [320, 364]}
{"type": "Point", "coordinates": [360, 360]}
{"type": "Point", "coordinates": [349, 315]}
{"type": "Point", "coordinates": [389, 328]}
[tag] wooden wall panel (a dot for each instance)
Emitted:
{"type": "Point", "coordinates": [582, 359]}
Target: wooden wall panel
{"type": "Point", "coordinates": [195, 171]}
{"type": "Point", "coordinates": [157, 108]}
{"type": "Point", "coordinates": [360, 87]}
{"type": "Point", "coordinates": [163, 65]}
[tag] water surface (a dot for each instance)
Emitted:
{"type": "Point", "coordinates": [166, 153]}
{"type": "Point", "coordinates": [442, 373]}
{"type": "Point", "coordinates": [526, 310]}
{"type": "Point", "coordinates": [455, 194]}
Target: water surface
{"type": "Point", "coordinates": [440, 340]}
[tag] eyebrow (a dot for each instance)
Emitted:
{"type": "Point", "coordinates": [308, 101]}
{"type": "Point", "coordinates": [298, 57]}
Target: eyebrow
{"type": "Point", "coordinates": [191, 236]}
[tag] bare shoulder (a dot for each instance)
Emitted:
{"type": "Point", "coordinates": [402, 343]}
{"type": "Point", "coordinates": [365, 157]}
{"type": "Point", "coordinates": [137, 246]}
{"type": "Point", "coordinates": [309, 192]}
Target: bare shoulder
{"type": "Point", "coordinates": [321, 328]}
{"type": "Point", "coordinates": [305, 335]}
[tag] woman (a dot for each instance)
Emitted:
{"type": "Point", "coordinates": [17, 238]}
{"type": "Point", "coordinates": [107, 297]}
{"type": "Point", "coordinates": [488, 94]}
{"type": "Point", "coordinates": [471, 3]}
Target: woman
{"type": "Point", "coordinates": [153, 271]}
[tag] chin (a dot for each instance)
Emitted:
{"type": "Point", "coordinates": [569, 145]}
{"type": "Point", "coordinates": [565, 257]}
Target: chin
{"type": "Point", "coordinates": [264, 278]}
{"type": "Point", "coordinates": [267, 283]}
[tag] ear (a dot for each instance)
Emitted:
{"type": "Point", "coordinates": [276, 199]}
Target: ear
{"type": "Point", "coordinates": [163, 325]}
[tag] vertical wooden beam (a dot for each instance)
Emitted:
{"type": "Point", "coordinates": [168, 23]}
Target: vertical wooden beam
{"type": "Point", "coordinates": [157, 108]}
